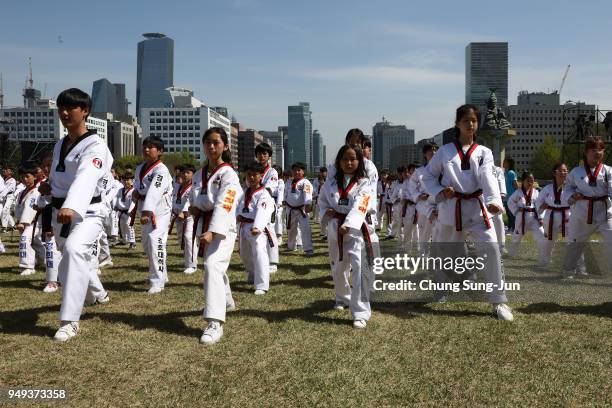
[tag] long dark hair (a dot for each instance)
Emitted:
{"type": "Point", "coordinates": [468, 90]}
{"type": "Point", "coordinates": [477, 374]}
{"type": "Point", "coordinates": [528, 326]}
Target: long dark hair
{"type": "Point", "coordinates": [360, 172]}
{"type": "Point", "coordinates": [461, 112]}
{"type": "Point", "coordinates": [226, 156]}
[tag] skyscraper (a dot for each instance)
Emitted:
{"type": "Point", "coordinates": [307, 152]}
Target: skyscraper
{"type": "Point", "coordinates": [387, 137]}
{"type": "Point", "coordinates": [317, 150]}
{"type": "Point", "coordinates": [108, 97]}
{"type": "Point", "coordinates": [155, 71]}
{"type": "Point", "coordinates": [486, 67]}
{"type": "Point", "coordinates": [299, 141]}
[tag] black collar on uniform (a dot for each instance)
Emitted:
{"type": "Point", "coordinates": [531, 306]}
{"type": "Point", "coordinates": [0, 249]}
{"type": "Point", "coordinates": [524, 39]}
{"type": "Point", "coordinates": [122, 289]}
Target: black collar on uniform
{"type": "Point", "coordinates": [64, 152]}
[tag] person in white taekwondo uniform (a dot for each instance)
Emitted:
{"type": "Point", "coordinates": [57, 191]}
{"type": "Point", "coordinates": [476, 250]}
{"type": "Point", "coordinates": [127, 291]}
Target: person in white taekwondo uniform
{"type": "Point", "coordinates": [2, 187]}
{"type": "Point", "coordinates": [409, 211]}
{"type": "Point", "coordinates": [30, 244]}
{"type": "Point", "coordinates": [184, 220]}
{"type": "Point", "coordinates": [107, 239]}
{"type": "Point", "coordinates": [256, 231]}
{"type": "Point", "coordinates": [7, 198]}
{"type": "Point", "coordinates": [381, 193]}
{"type": "Point", "coordinates": [498, 220]}
{"type": "Point", "coordinates": [263, 154]}
{"type": "Point", "coordinates": [214, 198]}
{"type": "Point", "coordinates": [522, 204]}
{"type": "Point", "coordinates": [395, 197]}
{"type": "Point", "coordinates": [81, 161]}
{"type": "Point", "coordinates": [425, 203]}
{"type": "Point", "coordinates": [556, 216]}
{"type": "Point", "coordinates": [124, 207]}
{"type": "Point", "coordinates": [298, 202]}
{"type": "Point", "coordinates": [460, 177]}
{"type": "Point", "coordinates": [153, 194]}
{"type": "Point", "coordinates": [279, 222]}
{"type": "Point", "coordinates": [344, 204]}
{"type": "Point", "coordinates": [588, 191]}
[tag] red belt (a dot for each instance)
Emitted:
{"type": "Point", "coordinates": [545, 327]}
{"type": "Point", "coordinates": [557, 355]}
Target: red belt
{"type": "Point", "coordinates": [591, 200]}
{"type": "Point", "coordinates": [205, 216]}
{"type": "Point", "coordinates": [527, 210]}
{"type": "Point", "coordinates": [552, 218]}
{"type": "Point", "coordinates": [460, 197]}
{"type": "Point", "coordinates": [244, 220]}
{"type": "Point", "coordinates": [364, 232]}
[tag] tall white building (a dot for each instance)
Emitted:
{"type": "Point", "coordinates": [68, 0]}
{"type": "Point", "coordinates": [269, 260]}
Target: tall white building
{"type": "Point", "coordinates": [181, 126]}
{"type": "Point", "coordinates": [41, 123]}
{"type": "Point", "coordinates": [537, 116]}
{"type": "Point", "coordinates": [275, 139]}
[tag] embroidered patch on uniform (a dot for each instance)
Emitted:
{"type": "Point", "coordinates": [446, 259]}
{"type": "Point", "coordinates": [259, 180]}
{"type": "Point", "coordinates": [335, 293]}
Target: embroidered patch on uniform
{"type": "Point", "coordinates": [228, 200]}
{"type": "Point", "coordinates": [363, 205]}
{"type": "Point", "coordinates": [97, 163]}
{"type": "Point", "coordinates": [263, 205]}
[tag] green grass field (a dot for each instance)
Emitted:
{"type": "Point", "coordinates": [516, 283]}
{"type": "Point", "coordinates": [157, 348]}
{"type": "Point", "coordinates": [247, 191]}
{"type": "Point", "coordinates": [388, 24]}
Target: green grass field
{"type": "Point", "coordinates": [289, 348]}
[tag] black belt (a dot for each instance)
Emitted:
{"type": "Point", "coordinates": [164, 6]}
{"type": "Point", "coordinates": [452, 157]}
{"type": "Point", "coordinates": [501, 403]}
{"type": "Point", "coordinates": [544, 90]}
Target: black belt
{"type": "Point", "coordinates": [58, 202]}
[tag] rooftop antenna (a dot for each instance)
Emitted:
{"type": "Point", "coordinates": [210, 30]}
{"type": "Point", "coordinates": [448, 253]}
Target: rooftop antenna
{"type": "Point", "coordinates": [30, 78]}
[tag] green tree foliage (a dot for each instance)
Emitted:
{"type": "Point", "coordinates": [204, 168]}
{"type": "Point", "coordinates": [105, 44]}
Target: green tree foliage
{"type": "Point", "coordinates": [169, 159]}
{"type": "Point", "coordinates": [544, 158]}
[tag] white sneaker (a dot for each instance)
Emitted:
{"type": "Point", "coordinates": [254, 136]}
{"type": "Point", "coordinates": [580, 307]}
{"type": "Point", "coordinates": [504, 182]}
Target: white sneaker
{"type": "Point", "coordinates": [212, 333]}
{"type": "Point", "coordinates": [260, 292]}
{"type": "Point", "coordinates": [503, 312]}
{"type": "Point", "coordinates": [50, 288]}
{"type": "Point", "coordinates": [155, 289]}
{"type": "Point", "coordinates": [106, 262]}
{"type": "Point", "coordinates": [273, 268]}
{"type": "Point", "coordinates": [359, 324]}
{"type": "Point", "coordinates": [27, 272]}
{"type": "Point", "coordinates": [97, 300]}
{"type": "Point", "coordinates": [189, 271]}
{"type": "Point", "coordinates": [338, 306]}
{"type": "Point", "coordinates": [230, 305]}
{"type": "Point", "coordinates": [67, 331]}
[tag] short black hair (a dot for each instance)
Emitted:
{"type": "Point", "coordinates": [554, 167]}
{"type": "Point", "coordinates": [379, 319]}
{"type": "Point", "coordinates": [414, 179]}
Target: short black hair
{"type": "Point", "coordinates": [322, 169]}
{"type": "Point", "coordinates": [278, 169]}
{"type": "Point", "coordinates": [263, 148]}
{"type": "Point", "coordinates": [179, 167]}
{"type": "Point", "coordinates": [429, 146]}
{"type": "Point", "coordinates": [254, 166]}
{"type": "Point", "coordinates": [189, 167]}
{"type": "Point", "coordinates": [367, 142]}
{"type": "Point", "coordinates": [74, 98]}
{"type": "Point", "coordinates": [412, 166]}
{"type": "Point", "coordinates": [27, 169]}
{"type": "Point", "coordinates": [401, 169]}
{"type": "Point", "coordinates": [298, 165]}
{"type": "Point", "coordinates": [127, 176]}
{"type": "Point", "coordinates": [153, 141]}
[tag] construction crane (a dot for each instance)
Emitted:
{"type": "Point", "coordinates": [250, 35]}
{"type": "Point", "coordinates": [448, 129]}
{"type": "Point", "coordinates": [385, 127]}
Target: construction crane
{"type": "Point", "coordinates": [1, 93]}
{"type": "Point", "coordinates": [563, 80]}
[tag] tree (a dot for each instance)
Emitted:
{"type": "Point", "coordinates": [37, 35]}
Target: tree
{"type": "Point", "coordinates": [544, 159]}
{"type": "Point", "coordinates": [169, 159]}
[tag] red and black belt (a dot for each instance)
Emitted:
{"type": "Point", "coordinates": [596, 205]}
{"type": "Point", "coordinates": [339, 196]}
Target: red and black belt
{"type": "Point", "coordinates": [473, 196]}
{"type": "Point", "coordinates": [291, 208]}
{"type": "Point", "coordinates": [205, 216]}
{"type": "Point", "coordinates": [366, 237]}
{"type": "Point", "coordinates": [524, 210]}
{"type": "Point", "coordinates": [551, 220]}
{"type": "Point", "coordinates": [591, 200]}
{"type": "Point", "coordinates": [244, 220]}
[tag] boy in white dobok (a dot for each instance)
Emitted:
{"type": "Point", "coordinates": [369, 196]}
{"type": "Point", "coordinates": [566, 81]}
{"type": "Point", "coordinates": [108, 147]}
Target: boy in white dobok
{"type": "Point", "coordinates": [124, 205]}
{"type": "Point", "coordinates": [81, 161]}
{"type": "Point", "coordinates": [256, 231]}
{"type": "Point", "coordinates": [263, 155]}
{"type": "Point", "coordinates": [184, 220]}
{"type": "Point", "coordinates": [30, 244]}
{"type": "Point", "coordinates": [298, 203]}
{"type": "Point", "coordinates": [153, 194]}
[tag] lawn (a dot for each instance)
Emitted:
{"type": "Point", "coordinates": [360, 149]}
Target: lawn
{"type": "Point", "coordinates": [290, 348]}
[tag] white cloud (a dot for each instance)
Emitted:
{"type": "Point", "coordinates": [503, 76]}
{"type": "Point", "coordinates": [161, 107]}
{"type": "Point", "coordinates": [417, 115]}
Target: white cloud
{"type": "Point", "coordinates": [430, 34]}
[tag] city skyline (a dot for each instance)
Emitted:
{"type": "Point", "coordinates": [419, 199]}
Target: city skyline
{"type": "Point", "coordinates": [405, 62]}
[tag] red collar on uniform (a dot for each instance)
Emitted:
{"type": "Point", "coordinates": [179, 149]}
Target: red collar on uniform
{"type": "Point", "coordinates": [593, 176]}
{"type": "Point", "coordinates": [557, 190]}
{"type": "Point", "coordinates": [294, 182]}
{"type": "Point", "coordinates": [344, 192]}
{"type": "Point", "coordinates": [249, 195]}
{"type": "Point", "coordinates": [24, 193]}
{"type": "Point", "coordinates": [465, 156]}
{"type": "Point", "coordinates": [146, 170]}
{"type": "Point", "coordinates": [527, 195]}
{"type": "Point", "coordinates": [206, 177]}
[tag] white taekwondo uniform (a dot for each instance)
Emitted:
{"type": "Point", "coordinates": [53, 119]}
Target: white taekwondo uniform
{"type": "Point", "coordinates": [255, 211]}
{"type": "Point", "coordinates": [77, 182]}
{"type": "Point", "coordinates": [216, 192]}
{"type": "Point", "coordinates": [184, 227]}
{"type": "Point", "coordinates": [298, 194]}
{"type": "Point", "coordinates": [270, 182]}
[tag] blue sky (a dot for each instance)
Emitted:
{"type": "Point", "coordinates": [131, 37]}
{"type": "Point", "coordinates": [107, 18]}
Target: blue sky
{"type": "Point", "coordinates": [354, 61]}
